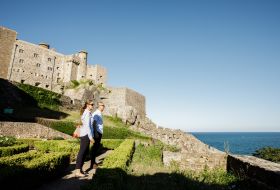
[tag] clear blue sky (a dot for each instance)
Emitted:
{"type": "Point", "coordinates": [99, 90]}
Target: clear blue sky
{"type": "Point", "coordinates": [203, 65]}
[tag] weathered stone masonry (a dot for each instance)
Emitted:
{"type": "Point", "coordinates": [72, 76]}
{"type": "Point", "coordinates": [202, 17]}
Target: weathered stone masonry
{"type": "Point", "coordinates": [38, 65]}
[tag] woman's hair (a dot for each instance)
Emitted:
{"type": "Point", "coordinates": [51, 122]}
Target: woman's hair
{"type": "Point", "coordinates": [85, 106]}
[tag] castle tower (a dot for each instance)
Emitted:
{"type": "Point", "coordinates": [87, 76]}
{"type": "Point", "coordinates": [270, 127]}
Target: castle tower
{"type": "Point", "coordinates": [82, 68]}
{"type": "Point", "coordinates": [7, 46]}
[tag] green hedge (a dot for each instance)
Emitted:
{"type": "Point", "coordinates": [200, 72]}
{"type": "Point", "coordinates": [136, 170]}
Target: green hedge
{"type": "Point", "coordinates": [44, 98]}
{"type": "Point", "coordinates": [15, 149]}
{"type": "Point", "coordinates": [31, 169]}
{"type": "Point", "coordinates": [69, 146]}
{"type": "Point", "coordinates": [7, 141]}
{"type": "Point", "coordinates": [111, 143]}
{"type": "Point", "coordinates": [18, 159]}
{"type": "Point", "coordinates": [30, 142]}
{"type": "Point", "coordinates": [113, 170]}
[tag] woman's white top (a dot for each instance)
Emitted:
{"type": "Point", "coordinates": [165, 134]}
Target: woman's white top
{"type": "Point", "coordinates": [86, 128]}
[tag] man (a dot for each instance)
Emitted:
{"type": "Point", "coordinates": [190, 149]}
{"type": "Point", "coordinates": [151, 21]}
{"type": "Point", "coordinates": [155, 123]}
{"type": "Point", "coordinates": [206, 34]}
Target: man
{"type": "Point", "coordinates": [98, 131]}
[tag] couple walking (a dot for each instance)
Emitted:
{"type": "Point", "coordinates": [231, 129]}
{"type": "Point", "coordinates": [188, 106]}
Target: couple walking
{"type": "Point", "coordinates": [90, 132]}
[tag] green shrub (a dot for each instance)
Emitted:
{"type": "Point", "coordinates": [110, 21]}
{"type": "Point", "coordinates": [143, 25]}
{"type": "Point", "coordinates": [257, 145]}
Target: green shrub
{"type": "Point", "coordinates": [69, 146]}
{"type": "Point", "coordinates": [30, 142]}
{"type": "Point", "coordinates": [121, 156]}
{"type": "Point", "coordinates": [268, 153]}
{"type": "Point", "coordinates": [111, 143]}
{"type": "Point", "coordinates": [7, 141]}
{"type": "Point", "coordinates": [31, 170]}
{"type": "Point", "coordinates": [113, 170]}
{"type": "Point", "coordinates": [44, 98]}
{"type": "Point", "coordinates": [15, 149]}
{"type": "Point", "coordinates": [18, 159]}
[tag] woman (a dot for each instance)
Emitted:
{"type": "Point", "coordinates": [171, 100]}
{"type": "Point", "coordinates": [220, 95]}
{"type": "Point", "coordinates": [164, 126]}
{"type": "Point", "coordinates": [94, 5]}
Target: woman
{"type": "Point", "coordinates": [86, 137]}
{"type": "Point", "coordinates": [97, 121]}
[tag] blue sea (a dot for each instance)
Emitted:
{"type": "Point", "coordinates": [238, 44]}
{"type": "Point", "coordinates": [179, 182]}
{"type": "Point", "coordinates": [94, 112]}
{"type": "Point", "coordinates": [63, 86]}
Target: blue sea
{"type": "Point", "coordinates": [240, 142]}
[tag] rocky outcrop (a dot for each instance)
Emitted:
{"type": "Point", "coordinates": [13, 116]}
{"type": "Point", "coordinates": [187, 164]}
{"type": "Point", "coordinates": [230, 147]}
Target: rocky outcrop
{"type": "Point", "coordinates": [194, 154]}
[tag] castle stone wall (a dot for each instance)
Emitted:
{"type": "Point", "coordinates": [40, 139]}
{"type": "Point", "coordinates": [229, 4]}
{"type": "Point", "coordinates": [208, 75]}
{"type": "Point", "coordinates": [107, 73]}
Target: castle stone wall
{"type": "Point", "coordinates": [97, 73]}
{"type": "Point", "coordinates": [7, 45]}
{"type": "Point", "coordinates": [136, 100]}
{"type": "Point", "coordinates": [38, 65]}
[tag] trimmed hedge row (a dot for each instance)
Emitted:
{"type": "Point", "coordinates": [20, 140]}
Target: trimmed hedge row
{"type": "Point", "coordinates": [18, 158]}
{"type": "Point", "coordinates": [31, 169]}
{"type": "Point", "coordinates": [69, 146]}
{"type": "Point", "coordinates": [111, 143]}
{"type": "Point", "coordinates": [121, 156]}
{"type": "Point", "coordinates": [15, 149]}
{"type": "Point", "coordinates": [113, 170]}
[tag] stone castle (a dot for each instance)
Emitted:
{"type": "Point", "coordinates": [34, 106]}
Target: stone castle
{"type": "Point", "coordinates": [38, 65]}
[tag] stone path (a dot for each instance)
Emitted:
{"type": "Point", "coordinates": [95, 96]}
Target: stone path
{"type": "Point", "coordinates": [69, 181]}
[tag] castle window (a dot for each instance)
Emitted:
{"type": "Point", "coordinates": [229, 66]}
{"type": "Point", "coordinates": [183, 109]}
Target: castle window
{"type": "Point", "coordinates": [21, 60]}
{"type": "Point", "coordinates": [22, 81]}
{"type": "Point", "coordinates": [20, 50]}
{"type": "Point", "coordinates": [49, 59]}
{"type": "Point", "coordinates": [57, 68]}
{"type": "Point", "coordinates": [46, 77]}
{"type": "Point", "coordinates": [38, 64]}
{"type": "Point", "coordinates": [58, 74]}
{"type": "Point", "coordinates": [100, 76]}
{"type": "Point", "coordinates": [47, 86]}
{"type": "Point", "coordinates": [35, 54]}
{"type": "Point", "coordinates": [58, 80]}
{"type": "Point", "coordinates": [49, 68]}
{"type": "Point", "coordinates": [91, 75]}
{"type": "Point", "coordinates": [37, 84]}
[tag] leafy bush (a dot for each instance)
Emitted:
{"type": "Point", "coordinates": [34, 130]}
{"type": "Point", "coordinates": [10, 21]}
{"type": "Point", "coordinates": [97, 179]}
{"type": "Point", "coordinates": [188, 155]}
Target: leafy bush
{"type": "Point", "coordinates": [31, 169]}
{"type": "Point", "coordinates": [18, 159]}
{"type": "Point", "coordinates": [113, 170]}
{"type": "Point", "coordinates": [15, 149]}
{"type": "Point", "coordinates": [121, 156]}
{"type": "Point", "coordinates": [7, 141]}
{"type": "Point", "coordinates": [69, 146]}
{"type": "Point", "coordinates": [44, 98]}
{"type": "Point", "coordinates": [30, 142]}
{"type": "Point", "coordinates": [268, 153]}
{"type": "Point", "coordinates": [111, 143]}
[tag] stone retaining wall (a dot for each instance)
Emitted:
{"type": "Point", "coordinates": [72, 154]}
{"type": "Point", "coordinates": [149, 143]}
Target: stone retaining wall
{"type": "Point", "coordinates": [257, 169]}
{"type": "Point", "coordinates": [29, 130]}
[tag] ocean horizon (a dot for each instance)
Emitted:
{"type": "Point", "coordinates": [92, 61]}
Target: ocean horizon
{"type": "Point", "coordinates": [245, 143]}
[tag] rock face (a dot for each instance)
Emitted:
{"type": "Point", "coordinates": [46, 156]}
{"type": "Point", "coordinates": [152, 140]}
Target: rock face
{"type": "Point", "coordinates": [194, 154]}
